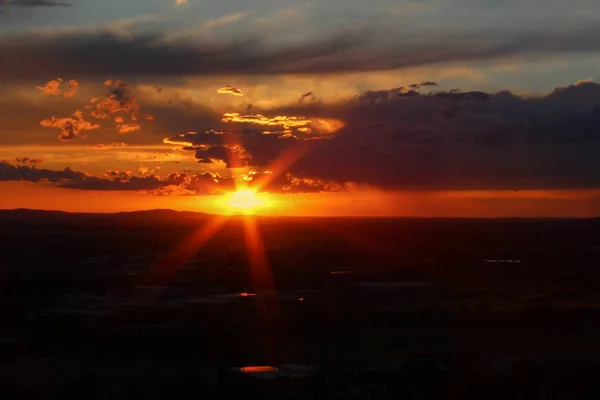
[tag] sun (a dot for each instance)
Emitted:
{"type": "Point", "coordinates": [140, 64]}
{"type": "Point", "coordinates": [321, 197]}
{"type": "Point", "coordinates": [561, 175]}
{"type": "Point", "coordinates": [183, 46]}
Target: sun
{"type": "Point", "coordinates": [246, 201]}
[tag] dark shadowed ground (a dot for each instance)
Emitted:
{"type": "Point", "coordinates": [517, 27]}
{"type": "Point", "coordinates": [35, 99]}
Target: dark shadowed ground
{"type": "Point", "coordinates": [140, 305]}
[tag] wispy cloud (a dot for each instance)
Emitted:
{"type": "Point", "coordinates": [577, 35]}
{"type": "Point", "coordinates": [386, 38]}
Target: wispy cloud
{"type": "Point", "coordinates": [35, 3]}
{"type": "Point", "coordinates": [230, 90]}
{"type": "Point", "coordinates": [224, 20]}
{"type": "Point", "coordinates": [361, 49]}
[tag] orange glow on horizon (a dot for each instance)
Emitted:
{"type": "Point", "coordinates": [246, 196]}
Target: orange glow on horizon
{"type": "Point", "coordinates": [244, 201]}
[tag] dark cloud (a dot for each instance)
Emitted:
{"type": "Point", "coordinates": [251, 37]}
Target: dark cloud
{"type": "Point", "coordinates": [10, 172]}
{"type": "Point", "coordinates": [34, 3]}
{"type": "Point", "coordinates": [120, 175]}
{"type": "Point", "coordinates": [465, 141]}
{"type": "Point", "coordinates": [105, 52]}
{"type": "Point", "coordinates": [233, 157]}
{"type": "Point", "coordinates": [33, 162]}
{"type": "Point", "coordinates": [397, 139]}
{"type": "Point", "coordinates": [173, 184]}
{"type": "Point", "coordinates": [444, 140]}
{"type": "Point", "coordinates": [305, 95]}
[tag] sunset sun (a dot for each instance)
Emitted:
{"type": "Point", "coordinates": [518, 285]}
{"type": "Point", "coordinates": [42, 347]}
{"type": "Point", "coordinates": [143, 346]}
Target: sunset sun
{"type": "Point", "coordinates": [246, 201]}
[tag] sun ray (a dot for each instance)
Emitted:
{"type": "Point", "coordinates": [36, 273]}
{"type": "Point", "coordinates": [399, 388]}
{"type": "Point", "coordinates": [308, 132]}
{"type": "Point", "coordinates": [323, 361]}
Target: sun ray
{"type": "Point", "coordinates": [183, 253]}
{"type": "Point", "coordinates": [260, 270]}
{"type": "Point", "coordinates": [278, 167]}
{"type": "Point", "coordinates": [271, 318]}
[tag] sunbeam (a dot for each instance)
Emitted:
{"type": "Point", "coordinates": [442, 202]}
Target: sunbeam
{"type": "Point", "coordinates": [166, 269]}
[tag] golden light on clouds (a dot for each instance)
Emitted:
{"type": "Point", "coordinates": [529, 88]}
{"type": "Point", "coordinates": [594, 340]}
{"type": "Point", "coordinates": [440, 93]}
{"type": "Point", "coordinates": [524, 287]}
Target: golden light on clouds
{"type": "Point", "coordinates": [326, 125]}
{"type": "Point", "coordinates": [302, 124]}
{"type": "Point", "coordinates": [179, 142]}
{"type": "Point", "coordinates": [126, 128]}
{"type": "Point", "coordinates": [230, 90]}
{"type": "Point", "coordinates": [119, 105]}
{"type": "Point", "coordinates": [53, 88]}
{"type": "Point", "coordinates": [70, 126]}
{"type": "Point", "coordinates": [258, 119]}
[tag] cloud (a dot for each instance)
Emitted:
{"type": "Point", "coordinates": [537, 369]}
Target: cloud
{"type": "Point", "coordinates": [402, 139]}
{"type": "Point", "coordinates": [102, 52]}
{"type": "Point", "coordinates": [286, 126]}
{"type": "Point", "coordinates": [173, 184]}
{"type": "Point", "coordinates": [224, 20]}
{"type": "Point", "coordinates": [118, 105]}
{"type": "Point", "coordinates": [232, 156]}
{"type": "Point", "coordinates": [126, 128]}
{"type": "Point", "coordinates": [119, 100]}
{"type": "Point", "coordinates": [34, 3]}
{"type": "Point", "coordinates": [308, 185]}
{"type": "Point", "coordinates": [33, 162]}
{"type": "Point", "coordinates": [230, 90]}
{"type": "Point", "coordinates": [52, 88]}
{"type": "Point", "coordinates": [29, 174]}
{"type": "Point", "coordinates": [305, 95]}
{"type": "Point", "coordinates": [69, 127]}
{"type": "Point", "coordinates": [397, 139]}
{"type": "Point", "coordinates": [101, 146]}
{"type": "Point", "coordinates": [122, 176]}
{"type": "Point", "coordinates": [254, 139]}
{"type": "Point", "coordinates": [487, 141]}
{"type": "Point", "coordinates": [206, 183]}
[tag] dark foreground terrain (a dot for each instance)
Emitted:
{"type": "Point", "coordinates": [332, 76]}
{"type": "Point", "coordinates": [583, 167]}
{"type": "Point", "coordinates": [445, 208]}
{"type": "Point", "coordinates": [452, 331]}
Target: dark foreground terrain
{"type": "Point", "coordinates": [149, 305]}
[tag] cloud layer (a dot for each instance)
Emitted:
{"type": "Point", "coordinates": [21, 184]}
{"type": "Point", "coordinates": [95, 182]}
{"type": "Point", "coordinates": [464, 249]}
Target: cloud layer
{"type": "Point", "coordinates": [412, 138]}
{"type": "Point", "coordinates": [102, 52]}
{"type": "Point", "coordinates": [173, 184]}
{"type": "Point", "coordinates": [402, 139]}
{"type": "Point", "coordinates": [34, 3]}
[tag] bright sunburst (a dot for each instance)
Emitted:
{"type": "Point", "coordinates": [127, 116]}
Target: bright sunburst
{"type": "Point", "coordinates": [245, 200]}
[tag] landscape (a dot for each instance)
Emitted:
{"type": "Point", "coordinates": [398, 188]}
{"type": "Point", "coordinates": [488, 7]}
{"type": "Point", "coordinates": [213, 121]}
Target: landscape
{"type": "Point", "coordinates": [299, 199]}
{"type": "Point", "coordinates": [379, 308]}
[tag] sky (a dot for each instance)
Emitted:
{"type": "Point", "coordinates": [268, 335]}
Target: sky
{"type": "Point", "coordinates": [441, 108]}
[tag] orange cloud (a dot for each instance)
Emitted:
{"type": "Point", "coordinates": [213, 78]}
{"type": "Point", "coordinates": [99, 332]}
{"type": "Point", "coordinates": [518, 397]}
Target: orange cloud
{"type": "Point", "coordinates": [33, 162]}
{"type": "Point", "coordinates": [70, 126]}
{"type": "Point", "coordinates": [179, 140]}
{"type": "Point", "coordinates": [230, 90]}
{"type": "Point", "coordinates": [126, 128]}
{"type": "Point", "coordinates": [52, 88]}
{"type": "Point", "coordinates": [172, 190]}
{"type": "Point", "coordinates": [118, 105]}
{"type": "Point", "coordinates": [301, 124]}
{"type": "Point", "coordinates": [119, 100]}
{"type": "Point", "coordinates": [102, 146]}
{"type": "Point", "coordinates": [258, 119]}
